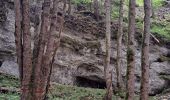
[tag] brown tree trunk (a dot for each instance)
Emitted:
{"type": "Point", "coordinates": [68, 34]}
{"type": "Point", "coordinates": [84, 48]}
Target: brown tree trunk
{"type": "Point", "coordinates": [119, 47]}
{"type": "Point", "coordinates": [69, 7]}
{"type": "Point", "coordinates": [49, 54]}
{"type": "Point", "coordinates": [56, 46]}
{"type": "Point", "coordinates": [131, 51]}
{"type": "Point", "coordinates": [96, 9]}
{"type": "Point", "coordinates": [35, 80]}
{"type": "Point", "coordinates": [27, 53]}
{"type": "Point", "coordinates": [64, 6]}
{"type": "Point", "coordinates": [145, 52]}
{"type": "Point", "coordinates": [108, 68]}
{"type": "Point", "coordinates": [153, 13]}
{"type": "Point", "coordinates": [43, 36]}
{"type": "Point", "coordinates": [18, 36]}
{"type": "Point", "coordinates": [37, 30]}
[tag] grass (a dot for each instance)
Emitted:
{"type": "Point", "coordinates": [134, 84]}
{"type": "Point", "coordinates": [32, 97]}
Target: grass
{"type": "Point", "coordinates": [58, 91]}
{"type": "Point", "coordinates": [161, 27]}
{"type": "Point", "coordinates": [9, 96]}
{"type": "Point", "coordinates": [156, 3]}
{"type": "Point", "coordinates": [62, 92]}
{"type": "Point", "coordinates": [8, 81]}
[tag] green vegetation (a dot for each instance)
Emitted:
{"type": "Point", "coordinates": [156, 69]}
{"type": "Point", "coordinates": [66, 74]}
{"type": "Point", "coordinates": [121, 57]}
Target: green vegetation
{"type": "Point", "coordinates": [9, 96]}
{"type": "Point", "coordinates": [156, 3]}
{"type": "Point", "coordinates": [166, 77]}
{"type": "Point", "coordinates": [57, 91]}
{"type": "Point", "coordinates": [8, 81]}
{"type": "Point", "coordinates": [62, 92]}
{"type": "Point", "coordinates": [161, 27]}
{"type": "Point", "coordinates": [81, 1]}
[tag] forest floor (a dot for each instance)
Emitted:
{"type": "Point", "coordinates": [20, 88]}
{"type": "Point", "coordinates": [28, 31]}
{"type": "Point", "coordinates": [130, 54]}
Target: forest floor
{"type": "Point", "coordinates": [56, 92]}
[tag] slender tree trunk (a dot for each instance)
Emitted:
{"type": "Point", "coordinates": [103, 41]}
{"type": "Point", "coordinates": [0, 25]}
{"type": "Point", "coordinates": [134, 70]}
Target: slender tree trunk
{"type": "Point", "coordinates": [27, 53]}
{"type": "Point", "coordinates": [35, 80]}
{"type": "Point", "coordinates": [64, 6]}
{"type": "Point", "coordinates": [43, 36]}
{"type": "Point", "coordinates": [131, 51]}
{"type": "Point", "coordinates": [108, 68]}
{"type": "Point", "coordinates": [69, 7]}
{"type": "Point", "coordinates": [96, 9]}
{"type": "Point", "coordinates": [37, 29]}
{"type": "Point", "coordinates": [18, 36]}
{"type": "Point", "coordinates": [145, 51]}
{"type": "Point", "coordinates": [56, 44]}
{"type": "Point", "coordinates": [119, 47]}
{"type": "Point", "coordinates": [153, 13]}
{"type": "Point", "coordinates": [48, 54]}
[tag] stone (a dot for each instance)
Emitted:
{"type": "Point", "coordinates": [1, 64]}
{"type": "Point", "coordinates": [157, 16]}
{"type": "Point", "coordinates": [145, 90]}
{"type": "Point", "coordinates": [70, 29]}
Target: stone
{"type": "Point", "coordinates": [81, 56]}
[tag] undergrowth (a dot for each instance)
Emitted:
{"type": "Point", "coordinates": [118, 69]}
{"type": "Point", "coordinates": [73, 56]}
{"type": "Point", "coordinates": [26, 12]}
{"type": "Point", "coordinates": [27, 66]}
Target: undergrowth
{"type": "Point", "coordinates": [58, 91]}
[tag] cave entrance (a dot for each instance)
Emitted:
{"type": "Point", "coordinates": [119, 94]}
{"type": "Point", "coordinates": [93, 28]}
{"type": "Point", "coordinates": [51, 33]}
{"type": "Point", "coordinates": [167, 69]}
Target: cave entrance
{"type": "Point", "coordinates": [84, 82]}
{"type": "Point", "coordinates": [1, 63]}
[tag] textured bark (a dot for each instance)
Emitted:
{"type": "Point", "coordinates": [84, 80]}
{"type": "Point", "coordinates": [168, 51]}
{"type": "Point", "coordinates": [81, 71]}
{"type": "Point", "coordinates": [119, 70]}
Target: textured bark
{"type": "Point", "coordinates": [69, 7]}
{"type": "Point", "coordinates": [119, 47]}
{"type": "Point", "coordinates": [27, 53]}
{"type": "Point", "coordinates": [145, 51]}
{"type": "Point", "coordinates": [96, 9]}
{"type": "Point", "coordinates": [37, 30]}
{"type": "Point", "coordinates": [49, 54]}
{"type": "Point", "coordinates": [131, 51]}
{"type": "Point", "coordinates": [56, 46]}
{"type": "Point", "coordinates": [153, 13]}
{"type": "Point", "coordinates": [64, 6]}
{"type": "Point", "coordinates": [35, 80]}
{"type": "Point", "coordinates": [18, 36]}
{"type": "Point", "coordinates": [43, 36]}
{"type": "Point", "coordinates": [108, 68]}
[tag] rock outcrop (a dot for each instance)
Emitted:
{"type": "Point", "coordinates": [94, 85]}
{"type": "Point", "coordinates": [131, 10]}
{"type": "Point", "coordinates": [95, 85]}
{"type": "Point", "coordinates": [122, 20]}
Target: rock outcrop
{"type": "Point", "coordinates": [80, 58]}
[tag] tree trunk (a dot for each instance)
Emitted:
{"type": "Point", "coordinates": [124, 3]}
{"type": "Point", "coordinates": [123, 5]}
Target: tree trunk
{"type": "Point", "coordinates": [49, 54]}
{"type": "Point", "coordinates": [43, 36]}
{"type": "Point", "coordinates": [145, 52]}
{"type": "Point", "coordinates": [69, 7]}
{"type": "Point", "coordinates": [96, 9]}
{"type": "Point", "coordinates": [119, 47]}
{"type": "Point", "coordinates": [56, 46]}
{"type": "Point", "coordinates": [153, 13]}
{"type": "Point", "coordinates": [35, 75]}
{"type": "Point", "coordinates": [131, 51]}
{"type": "Point", "coordinates": [108, 68]}
{"type": "Point", "coordinates": [18, 36]}
{"type": "Point", "coordinates": [27, 53]}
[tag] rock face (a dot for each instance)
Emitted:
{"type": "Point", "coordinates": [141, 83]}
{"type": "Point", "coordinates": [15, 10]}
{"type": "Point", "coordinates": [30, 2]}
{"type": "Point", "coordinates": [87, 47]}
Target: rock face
{"type": "Point", "coordinates": [7, 40]}
{"type": "Point", "coordinates": [80, 58]}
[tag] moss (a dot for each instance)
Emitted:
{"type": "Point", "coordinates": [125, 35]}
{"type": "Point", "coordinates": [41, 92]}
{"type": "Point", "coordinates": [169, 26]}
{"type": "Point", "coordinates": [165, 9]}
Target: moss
{"type": "Point", "coordinates": [166, 77]}
{"type": "Point", "coordinates": [164, 58]}
{"type": "Point", "coordinates": [8, 81]}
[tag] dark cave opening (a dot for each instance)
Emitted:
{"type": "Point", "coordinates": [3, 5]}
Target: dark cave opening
{"type": "Point", "coordinates": [84, 82]}
{"type": "Point", "coordinates": [1, 63]}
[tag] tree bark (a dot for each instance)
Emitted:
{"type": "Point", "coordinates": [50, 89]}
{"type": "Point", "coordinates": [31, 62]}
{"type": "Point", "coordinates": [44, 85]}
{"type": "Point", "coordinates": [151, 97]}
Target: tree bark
{"type": "Point", "coordinates": [119, 47]}
{"type": "Point", "coordinates": [43, 36]}
{"type": "Point", "coordinates": [131, 51]}
{"type": "Point", "coordinates": [36, 73]}
{"type": "Point", "coordinates": [49, 54]}
{"type": "Point", "coordinates": [108, 68]}
{"type": "Point", "coordinates": [145, 51]}
{"type": "Point", "coordinates": [27, 53]}
{"type": "Point", "coordinates": [69, 7]}
{"type": "Point", "coordinates": [96, 9]}
{"type": "Point", "coordinates": [56, 46]}
{"type": "Point", "coordinates": [18, 36]}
